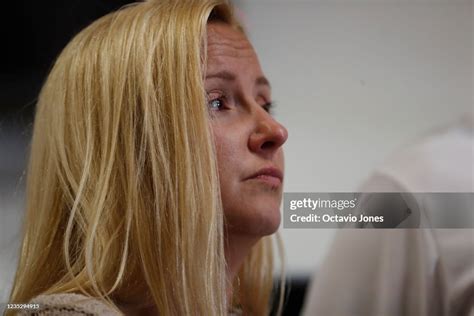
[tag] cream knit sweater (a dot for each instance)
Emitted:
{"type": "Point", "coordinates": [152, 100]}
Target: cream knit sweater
{"type": "Point", "coordinates": [69, 305]}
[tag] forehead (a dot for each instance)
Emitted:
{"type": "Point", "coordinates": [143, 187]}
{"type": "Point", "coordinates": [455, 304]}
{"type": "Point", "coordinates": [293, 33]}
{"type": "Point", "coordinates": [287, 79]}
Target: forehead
{"type": "Point", "coordinates": [228, 46]}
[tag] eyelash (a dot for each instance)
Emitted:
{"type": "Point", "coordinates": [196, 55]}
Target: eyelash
{"type": "Point", "coordinates": [268, 107]}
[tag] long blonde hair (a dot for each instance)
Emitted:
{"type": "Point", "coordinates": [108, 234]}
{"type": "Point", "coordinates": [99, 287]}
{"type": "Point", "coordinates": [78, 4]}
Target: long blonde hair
{"type": "Point", "coordinates": [123, 200]}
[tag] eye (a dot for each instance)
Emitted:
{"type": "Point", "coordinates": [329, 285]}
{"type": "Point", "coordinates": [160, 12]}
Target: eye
{"type": "Point", "coordinates": [269, 107]}
{"type": "Point", "coordinates": [216, 104]}
{"type": "Point", "coordinates": [217, 101]}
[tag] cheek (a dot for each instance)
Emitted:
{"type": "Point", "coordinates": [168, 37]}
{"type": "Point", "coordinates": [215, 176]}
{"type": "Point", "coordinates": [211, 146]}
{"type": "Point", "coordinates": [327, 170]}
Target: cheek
{"type": "Point", "coordinates": [223, 150]}
{"type": "Point", "coordinates": [231, 158]}
{"type": "Point", "coordinates": [228, 166]}
{"type": "Point", "coordinates": [229, 150]}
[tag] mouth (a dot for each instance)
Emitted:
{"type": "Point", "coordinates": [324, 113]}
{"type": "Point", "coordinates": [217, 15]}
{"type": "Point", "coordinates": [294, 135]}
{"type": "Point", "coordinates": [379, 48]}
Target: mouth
{"type": "Point", "coordinates": [269, 175]}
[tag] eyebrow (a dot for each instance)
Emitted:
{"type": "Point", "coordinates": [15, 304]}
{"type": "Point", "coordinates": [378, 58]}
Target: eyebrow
{"type": "Point", "coordinates": [228, 76]}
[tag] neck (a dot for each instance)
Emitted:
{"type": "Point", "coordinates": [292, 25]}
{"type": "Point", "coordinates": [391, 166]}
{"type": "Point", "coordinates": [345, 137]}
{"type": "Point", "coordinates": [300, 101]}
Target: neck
{"type": "Point", "coordinates": [237, 247]}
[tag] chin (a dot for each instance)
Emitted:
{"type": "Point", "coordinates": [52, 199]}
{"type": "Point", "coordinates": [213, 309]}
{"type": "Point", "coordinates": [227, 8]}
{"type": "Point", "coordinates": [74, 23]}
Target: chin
{"type": "Point", "coordinates": [260, 222]}
{"type": "Point", "coordinates": [268, 229]}
{"type": "Point", "coordinates": [270, 215]}
{"type": "Point", "coordinates": [269, 223]}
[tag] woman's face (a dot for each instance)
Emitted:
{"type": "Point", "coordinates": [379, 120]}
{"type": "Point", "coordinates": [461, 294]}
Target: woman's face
{"type": "Point", "coordinates": [248, 139]}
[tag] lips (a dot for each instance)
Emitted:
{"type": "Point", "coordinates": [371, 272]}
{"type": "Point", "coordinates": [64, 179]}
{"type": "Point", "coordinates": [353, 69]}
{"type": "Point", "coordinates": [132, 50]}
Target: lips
{"type": "Point", "coordinates": [270, 175]}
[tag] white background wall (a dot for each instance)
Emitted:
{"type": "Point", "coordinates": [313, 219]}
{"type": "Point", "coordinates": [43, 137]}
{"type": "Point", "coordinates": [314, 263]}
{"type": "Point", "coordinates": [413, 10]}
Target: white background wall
{"type": "Point", "coordinates": [353, 81]}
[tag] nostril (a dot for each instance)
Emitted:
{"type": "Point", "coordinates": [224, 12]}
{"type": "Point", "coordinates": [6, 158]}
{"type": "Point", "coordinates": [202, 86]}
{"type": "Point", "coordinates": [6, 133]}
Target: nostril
{"type": "Point", "coordinates": [267, 145]}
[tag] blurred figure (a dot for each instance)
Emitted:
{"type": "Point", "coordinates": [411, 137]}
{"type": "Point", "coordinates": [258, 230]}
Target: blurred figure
{"type": "Point", "coordinates": [407, 271]}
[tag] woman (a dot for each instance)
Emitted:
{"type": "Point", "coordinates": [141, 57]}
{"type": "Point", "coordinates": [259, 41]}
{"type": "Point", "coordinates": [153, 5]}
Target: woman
{"type": "Point", "coordinates": [140, 198]}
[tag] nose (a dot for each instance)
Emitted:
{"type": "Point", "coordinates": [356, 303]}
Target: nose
{"type": "Point", "coordinates": [268, 135]}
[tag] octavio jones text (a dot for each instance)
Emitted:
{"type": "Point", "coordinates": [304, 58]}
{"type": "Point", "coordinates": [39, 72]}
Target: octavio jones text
{"type": "Point", "coordinates": [329, 218]}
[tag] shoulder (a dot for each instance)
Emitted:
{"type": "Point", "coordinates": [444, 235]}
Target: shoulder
{"type": "Point", "coordinates": [69, 304]}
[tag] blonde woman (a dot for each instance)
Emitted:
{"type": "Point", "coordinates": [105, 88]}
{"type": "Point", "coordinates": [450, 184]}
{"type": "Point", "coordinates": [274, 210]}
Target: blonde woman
{"type": "Point", "coordinates": [156, 170]}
